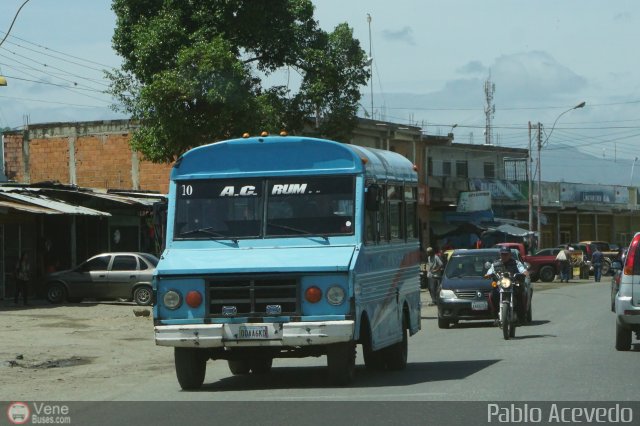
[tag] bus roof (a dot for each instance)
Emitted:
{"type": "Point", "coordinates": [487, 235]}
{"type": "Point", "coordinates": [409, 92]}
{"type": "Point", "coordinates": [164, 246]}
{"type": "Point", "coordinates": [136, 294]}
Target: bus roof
{"type": "Point", "coordinates": [290, 155]}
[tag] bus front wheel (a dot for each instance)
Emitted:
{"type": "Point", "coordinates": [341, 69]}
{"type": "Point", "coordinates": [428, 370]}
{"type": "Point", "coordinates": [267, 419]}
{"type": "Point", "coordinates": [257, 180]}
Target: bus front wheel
{"type": "Point", "coordinates": [191, 366]}
{"type": "Point", "coordinates": [341, 360]}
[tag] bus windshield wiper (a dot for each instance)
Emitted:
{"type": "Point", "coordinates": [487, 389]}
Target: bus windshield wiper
{"type": "Point", "coordinates": [298, 230]}
{"type": "Point", "coordinates": [208, 231]}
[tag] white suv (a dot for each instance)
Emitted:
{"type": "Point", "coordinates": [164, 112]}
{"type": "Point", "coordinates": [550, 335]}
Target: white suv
{"type": "Point", "coordinates": [627, 302]}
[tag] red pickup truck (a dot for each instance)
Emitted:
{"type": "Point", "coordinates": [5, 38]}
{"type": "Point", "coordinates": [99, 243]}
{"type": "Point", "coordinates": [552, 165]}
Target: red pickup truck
{"type": "Point", "coordinates": [542, 267]}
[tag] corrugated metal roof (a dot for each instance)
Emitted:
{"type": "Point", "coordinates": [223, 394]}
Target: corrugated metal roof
{"type": "Point", "coordinates": [26, 208]}
{"type": "Point", "coordinates": [146, 201]}
{"type": "Point", "coordinates": [27, 203]}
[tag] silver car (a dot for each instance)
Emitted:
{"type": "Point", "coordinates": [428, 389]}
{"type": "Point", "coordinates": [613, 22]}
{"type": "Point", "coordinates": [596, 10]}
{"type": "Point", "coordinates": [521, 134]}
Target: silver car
{"type": "Point", "coordinates": [105, 276]}
{"type": "Point", "coordinates": [627, 299]}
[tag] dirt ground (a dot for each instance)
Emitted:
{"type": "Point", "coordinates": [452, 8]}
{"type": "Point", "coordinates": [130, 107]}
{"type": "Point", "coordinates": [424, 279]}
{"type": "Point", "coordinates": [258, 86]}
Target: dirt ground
{"type": "Point", "coordinates": [87, 351]}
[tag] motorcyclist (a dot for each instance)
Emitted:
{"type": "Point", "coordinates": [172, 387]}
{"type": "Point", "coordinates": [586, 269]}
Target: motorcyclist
{"type": "Point", "coordinates": [513, 266]}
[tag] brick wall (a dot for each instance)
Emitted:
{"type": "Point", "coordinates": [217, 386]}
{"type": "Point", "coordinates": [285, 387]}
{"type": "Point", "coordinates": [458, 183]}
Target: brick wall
{"type": "Point", "coordinates": [49, 160]}
{"type": "Point", "coordinates": [102, 160]}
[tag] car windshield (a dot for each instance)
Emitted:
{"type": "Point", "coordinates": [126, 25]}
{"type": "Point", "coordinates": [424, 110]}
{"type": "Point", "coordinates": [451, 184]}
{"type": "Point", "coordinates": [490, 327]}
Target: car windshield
{"type": "Point", "coordinates": [461, 266]}
{"type": "Point", "coordinates": [253, 208]}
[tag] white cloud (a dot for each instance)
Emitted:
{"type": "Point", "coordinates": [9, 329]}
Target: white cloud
{"type": "Point", "coordinates": [403, 35]}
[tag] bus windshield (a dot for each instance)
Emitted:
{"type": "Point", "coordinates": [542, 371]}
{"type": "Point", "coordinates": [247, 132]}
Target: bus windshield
{"type": "Point", "coordinates": [264, 207]}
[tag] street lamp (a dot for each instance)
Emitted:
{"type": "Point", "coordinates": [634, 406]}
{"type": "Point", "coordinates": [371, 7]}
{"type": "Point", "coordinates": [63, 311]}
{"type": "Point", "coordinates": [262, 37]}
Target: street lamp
{"type": "Point", "coordinates": [370, 62]}
{"type": "Point", "coordinates": [540, 145]}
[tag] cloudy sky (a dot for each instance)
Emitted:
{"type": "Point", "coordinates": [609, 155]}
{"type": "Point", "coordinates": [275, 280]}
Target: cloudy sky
{"type": "Point", "coordinates": [431, 61]}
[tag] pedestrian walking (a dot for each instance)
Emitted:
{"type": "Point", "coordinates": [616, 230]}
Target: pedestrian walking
{"type": "Point", "coordinates": [596, 260]}
{"type": "Point", "coordinates": [22, 275]}
{"type": "Point", "coordinates": [563, 257]}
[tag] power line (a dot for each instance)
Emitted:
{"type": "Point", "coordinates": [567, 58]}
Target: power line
{"type": "Point", "coordinates": [50, 102]}
{"type": "Point", "coordinates": [13, 22]}
{"type": "Point", "coordinates": [61, 53]}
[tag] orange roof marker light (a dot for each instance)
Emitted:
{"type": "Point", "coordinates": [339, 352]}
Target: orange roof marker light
{"type": "Point", "coordinates": [415, 167]}
{"type": "Point", "coordinates": [283, 133]}
{"type": "Point", "coordinates": [364, 160]}
{"type": "Point", "coordinates": [246, 135]}
{"type": "Point", "coordinates": [264, 133]}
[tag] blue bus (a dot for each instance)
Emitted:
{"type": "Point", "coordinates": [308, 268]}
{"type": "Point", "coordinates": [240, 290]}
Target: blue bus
{"type": "Point", "coordinates": [282, 247]}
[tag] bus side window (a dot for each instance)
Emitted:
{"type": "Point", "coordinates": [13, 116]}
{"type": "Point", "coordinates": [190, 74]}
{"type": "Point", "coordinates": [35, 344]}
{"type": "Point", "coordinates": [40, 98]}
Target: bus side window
{"type": "Point", "coordinates": [369, 227]}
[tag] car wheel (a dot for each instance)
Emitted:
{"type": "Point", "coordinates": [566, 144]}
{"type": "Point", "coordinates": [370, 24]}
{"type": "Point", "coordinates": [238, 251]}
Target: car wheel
{"type": "Point", "coordinates": [613, 300]}
{"type": "Point", "coordinates": [143, 295]}
{"type": "Point", "coordinates": [623, 338]}
{"type": "Point", "coordinates": [443, 323]}
{"type": "Point", "coordinates": [547, 274]}
{"type": "Point", "coordinates": [56, 293]}
{"type": "Point", "coordinates": [191, 366]}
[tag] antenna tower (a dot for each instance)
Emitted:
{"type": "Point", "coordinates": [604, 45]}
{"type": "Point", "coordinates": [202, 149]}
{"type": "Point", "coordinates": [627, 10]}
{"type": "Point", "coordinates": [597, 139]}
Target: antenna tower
{"type": "Point", "coordinates": [490, 109]}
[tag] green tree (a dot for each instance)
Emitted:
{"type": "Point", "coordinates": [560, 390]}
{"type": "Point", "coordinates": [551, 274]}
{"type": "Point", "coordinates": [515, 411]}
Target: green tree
{"type": "Point", "coordinates": [195, 71]}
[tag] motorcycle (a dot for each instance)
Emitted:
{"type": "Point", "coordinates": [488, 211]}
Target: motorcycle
{"type": "Point", "coordinates": [506, 285]}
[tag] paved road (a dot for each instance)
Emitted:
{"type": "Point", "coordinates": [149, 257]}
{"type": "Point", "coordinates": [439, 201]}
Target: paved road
{"type": "Point", "coordinates": [566, 354]}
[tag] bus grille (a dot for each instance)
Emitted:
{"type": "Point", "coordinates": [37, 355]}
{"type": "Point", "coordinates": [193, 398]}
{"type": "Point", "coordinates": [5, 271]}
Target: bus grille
{"type": "Point", "coordinates": [472, 294]}
{"type": "Point", "coordinates": [254, 297]}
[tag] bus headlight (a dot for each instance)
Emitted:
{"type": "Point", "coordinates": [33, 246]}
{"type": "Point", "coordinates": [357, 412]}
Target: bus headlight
{"type": "Point", "coordinates": [335, 295]}
{"type": "Point", "coordinates": [447, 294]}
{"type": "Point", "coordinates": [172, 299]}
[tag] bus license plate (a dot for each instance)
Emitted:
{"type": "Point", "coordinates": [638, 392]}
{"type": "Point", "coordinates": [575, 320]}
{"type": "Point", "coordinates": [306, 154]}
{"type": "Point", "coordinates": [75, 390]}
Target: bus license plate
{"type": "Point", "coordinates": [253, 332]}
{"type": "Point", "coordinates": [479, 305]}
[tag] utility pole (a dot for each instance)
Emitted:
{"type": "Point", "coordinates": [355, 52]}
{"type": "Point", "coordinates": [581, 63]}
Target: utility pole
{"type": "Point", "coordinates": [530, 179]}
{"type": "Point", "coordinates": [539, 228]}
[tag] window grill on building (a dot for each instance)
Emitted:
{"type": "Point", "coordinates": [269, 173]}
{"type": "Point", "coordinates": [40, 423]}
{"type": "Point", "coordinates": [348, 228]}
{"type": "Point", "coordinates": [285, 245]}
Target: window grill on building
{"type": "Point", "coordinates": [515, 169]}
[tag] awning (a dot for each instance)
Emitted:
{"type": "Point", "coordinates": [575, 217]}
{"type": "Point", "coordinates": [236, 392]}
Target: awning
{"type": "Point", "coordinates": [37, 203]}
{"type": "Point", "coordinates": [441, 228]}
{"type": "Point", "coordinates": [132, 199]}
{"type": "Point", "coordinates": [511, 230]}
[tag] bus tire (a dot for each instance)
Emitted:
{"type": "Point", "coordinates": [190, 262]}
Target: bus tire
{"type": "Point", "coordinates": [261, 366]}
{"type": "Point", "coordinates": [373, 360]}
{"type": "Point", "coordinates": [191, 366]}
{"type": "Point", "coordinates": [341, 360]}
{"type": "Point", "coordinates": [239, 367]}
{"type": "Point", "coordinates": [397, 353]}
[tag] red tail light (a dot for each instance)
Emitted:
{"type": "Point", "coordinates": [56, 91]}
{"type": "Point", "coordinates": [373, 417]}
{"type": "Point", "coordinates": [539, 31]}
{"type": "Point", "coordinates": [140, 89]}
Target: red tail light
{"type": "Point", "coordinates": [631, 256]}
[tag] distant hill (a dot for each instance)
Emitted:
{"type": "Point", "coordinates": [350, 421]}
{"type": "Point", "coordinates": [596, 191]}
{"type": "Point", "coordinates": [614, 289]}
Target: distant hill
{"type": "Point", "coordinates": [567, 164]}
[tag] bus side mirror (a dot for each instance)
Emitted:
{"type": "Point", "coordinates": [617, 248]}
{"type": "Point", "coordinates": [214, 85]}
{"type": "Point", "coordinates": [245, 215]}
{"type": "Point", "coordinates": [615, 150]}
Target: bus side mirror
{"type": "Point", "coordinates": [372, 198]}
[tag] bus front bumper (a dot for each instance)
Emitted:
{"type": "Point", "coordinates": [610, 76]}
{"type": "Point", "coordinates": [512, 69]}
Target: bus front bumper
{"type": "Point", "coordinates": [254, 334]}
